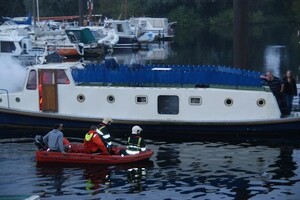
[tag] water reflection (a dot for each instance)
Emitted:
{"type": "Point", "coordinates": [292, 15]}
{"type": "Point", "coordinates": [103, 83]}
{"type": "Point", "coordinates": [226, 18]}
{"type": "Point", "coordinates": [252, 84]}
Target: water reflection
{"type": "Point", "coordinates": [61, 180]}
{"type": "Point", "coordinates": [95, 177]}
{"type": "Point", "coordinates": [197, 169]}
{"type": "Point", "coordinates": [53, 179]}
{"type": "Point", "coordinates": [135, 177]}
{"type": "Point", "coordinates": [266, 50]}
{"type": "Point", "coordinates": [157, 52]}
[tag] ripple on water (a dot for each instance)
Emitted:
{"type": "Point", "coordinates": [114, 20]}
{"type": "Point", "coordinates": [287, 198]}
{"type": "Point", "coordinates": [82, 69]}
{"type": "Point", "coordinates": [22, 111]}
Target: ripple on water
{"type": "Point", "coordinates": [187, 170]}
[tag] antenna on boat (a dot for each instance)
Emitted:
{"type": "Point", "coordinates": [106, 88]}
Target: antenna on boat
{"type": "Point", "coordinates": [90, 7]}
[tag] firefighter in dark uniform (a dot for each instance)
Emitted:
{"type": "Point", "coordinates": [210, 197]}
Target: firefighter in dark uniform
{"type": "Point", "coordinates": [104, 133]}
{"type": "Point", "coordinates": [135, 143]}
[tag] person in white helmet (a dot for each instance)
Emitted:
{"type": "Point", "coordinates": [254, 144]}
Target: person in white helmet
{"type": "Point", "coordinates": [135, 143]}
{"type": "Point", "coordinates": [104, 133]}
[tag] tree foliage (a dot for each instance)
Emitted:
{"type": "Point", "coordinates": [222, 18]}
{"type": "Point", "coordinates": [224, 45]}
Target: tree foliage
{"type": "Point", "coordinates": [182, 11]}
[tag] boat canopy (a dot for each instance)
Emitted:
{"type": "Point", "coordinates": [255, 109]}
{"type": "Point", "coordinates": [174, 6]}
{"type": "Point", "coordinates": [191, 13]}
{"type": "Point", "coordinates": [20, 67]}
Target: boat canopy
{"type": "Point", "coordinates": [154, 75]}
{"type": "Point", "coordinates": [84, 36]}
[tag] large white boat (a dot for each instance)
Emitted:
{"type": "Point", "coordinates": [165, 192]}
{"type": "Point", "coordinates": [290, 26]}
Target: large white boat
{"type": "Point", "coordinates": [21, 47]}
{"type": "Point", "coordinates": [162, 99]}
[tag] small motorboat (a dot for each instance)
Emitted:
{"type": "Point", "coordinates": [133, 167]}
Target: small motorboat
{"type": "Point", "coordinates": [77, 155]}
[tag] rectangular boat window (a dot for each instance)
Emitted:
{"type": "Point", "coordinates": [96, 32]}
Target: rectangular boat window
{"type": "Point", "coordinates": [62, 77]}
{"type": "Point", "coordinates": [47, 77]}
{"type": "Point", "coordinates": [7, 47]}
{"type": "Point", "coordinates": [195, 100]}
{"type": "Point", "coordinates": [32, 81]}
{"type": "Point", "coordinates": [168, 104]}
{"type": "Point", "coordinates": [141, 99]}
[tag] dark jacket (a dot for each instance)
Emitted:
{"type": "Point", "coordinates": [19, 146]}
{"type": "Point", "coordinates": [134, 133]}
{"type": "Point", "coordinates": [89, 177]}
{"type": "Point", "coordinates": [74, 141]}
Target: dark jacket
{"type": "Point", "coordinates": [289, 88]}
{"type": "Point", "coordinates": [274, 85]}
{"type": "Point", "coordinates": [103, 132]}
{"type": "Point", "coordinates": [135, 144]}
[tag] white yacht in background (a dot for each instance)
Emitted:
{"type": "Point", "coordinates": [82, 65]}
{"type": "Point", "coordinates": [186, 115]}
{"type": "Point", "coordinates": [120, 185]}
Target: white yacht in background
{"type": "Point", "coordinates": [160, 27]}
{"type": "Point", "coordinates": [110, 38]}
{"type": "Point", "coordinates": [21, 47]}
{"type": "Point", "coordinates": [127, 38]}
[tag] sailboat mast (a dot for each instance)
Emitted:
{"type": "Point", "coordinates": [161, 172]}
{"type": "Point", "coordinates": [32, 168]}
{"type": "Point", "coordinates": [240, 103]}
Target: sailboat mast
{"type": "Point", "coordinates": [90, 9]}
{"type": "Point", "coordinates": [125, 9]}
{"type": "Point", "coordinates": [38, 10]}
{"type": "Point", "coordinates": [80, 8]}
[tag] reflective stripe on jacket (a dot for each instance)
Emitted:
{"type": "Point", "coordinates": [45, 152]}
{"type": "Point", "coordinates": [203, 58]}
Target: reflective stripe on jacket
{"type": "Point", "coordinates": [135, 144]}
{"type": "Point", "coordinates": [104, 132]}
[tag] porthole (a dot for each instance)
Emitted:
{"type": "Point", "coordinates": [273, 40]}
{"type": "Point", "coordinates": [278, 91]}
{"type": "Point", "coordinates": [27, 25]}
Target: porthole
{"type": "Point", "coordinates": [0, 100]}
{"type": "Point", "coordinates": [228, 102]}
{"type": "Point", "coordinates": [80, 98]}
{"type": "Point", "coordinates": [195, 101]}
{"type": "Point", "coordinates": [261, 102]}
{"type": "Point", "coordinates": [18, 99]}
{"type": "Point", "coordinates": [110, 98]}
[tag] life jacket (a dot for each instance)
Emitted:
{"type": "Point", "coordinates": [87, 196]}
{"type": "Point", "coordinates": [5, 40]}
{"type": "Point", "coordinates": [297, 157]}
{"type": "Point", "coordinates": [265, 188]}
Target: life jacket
{"type": "Point", "coordinates": [90, 146]}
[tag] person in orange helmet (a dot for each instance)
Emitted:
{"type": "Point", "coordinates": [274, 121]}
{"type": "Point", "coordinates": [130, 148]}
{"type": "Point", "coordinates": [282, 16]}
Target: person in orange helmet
{"type": "Point", "coordinates": [93, 142]}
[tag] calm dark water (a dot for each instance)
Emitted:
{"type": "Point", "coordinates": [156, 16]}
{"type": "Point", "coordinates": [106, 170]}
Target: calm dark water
{"type": "Point", "coordinates": [255, 168]}
{"type": "Point", "coordinates": [270, 47]}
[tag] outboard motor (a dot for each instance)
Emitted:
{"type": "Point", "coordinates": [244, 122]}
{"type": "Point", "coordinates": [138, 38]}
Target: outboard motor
{"type": "Point", "coordinates": [39, 142]}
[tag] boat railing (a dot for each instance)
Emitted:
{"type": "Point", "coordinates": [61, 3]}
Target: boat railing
{"type": "Point", "coordinates": [7, 96]}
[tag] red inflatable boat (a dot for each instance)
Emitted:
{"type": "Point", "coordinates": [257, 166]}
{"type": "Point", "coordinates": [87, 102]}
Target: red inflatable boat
{"type": "Point", "coordinates": [77, 155]}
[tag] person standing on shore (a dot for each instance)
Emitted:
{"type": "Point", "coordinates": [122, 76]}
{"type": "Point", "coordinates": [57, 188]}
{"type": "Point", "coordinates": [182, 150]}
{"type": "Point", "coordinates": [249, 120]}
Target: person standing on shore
{"type": "Point", "coordinates": [289, 90]}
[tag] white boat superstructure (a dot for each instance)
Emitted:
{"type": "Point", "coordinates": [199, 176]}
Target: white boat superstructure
{"type": "Point", "coordinates": [127, 37]}
{"type": "Point", "coordinates": [160, 27]}
{"type": "Point", "coordinates": [55, 89]}
{"type": "Point", "coordinates": [21, 47]}
{"type": "Point", "coordinates": [21, 29]}
{"type": "Point", "coordinates": [110, 38]}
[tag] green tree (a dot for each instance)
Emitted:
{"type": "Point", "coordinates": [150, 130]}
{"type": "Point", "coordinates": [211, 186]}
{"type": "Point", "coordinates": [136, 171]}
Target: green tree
{"type": "Point", "coordinates": [14, 8]}
{"type": "Point", "coordinates": [296, 10]}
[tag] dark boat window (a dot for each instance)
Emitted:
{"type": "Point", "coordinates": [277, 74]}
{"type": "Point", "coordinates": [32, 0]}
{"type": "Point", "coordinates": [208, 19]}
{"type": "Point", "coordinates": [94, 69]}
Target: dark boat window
{"type": "Point", "coordinates": [7, 47]}
{"type": "Point", "coordinates": [62, 77]}
{"type": "Point", "coordinates": [141, 99]}
{"type": "Point", "coordinates": [31, 82]}
{"type": "Point", "coordinates": [120, 28]}
{"type": "Point", "coordinates": [195, 100]}
{"type": "Point", "coordinates": [47, 77]}
{"type": "Point", "coordinates": [168, 104]}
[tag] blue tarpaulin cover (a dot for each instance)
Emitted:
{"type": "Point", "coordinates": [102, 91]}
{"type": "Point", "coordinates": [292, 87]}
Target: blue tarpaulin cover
{"type": "Point", "coordinates": [138, 74]}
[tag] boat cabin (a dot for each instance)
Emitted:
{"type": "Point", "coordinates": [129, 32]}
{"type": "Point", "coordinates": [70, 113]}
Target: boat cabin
{"type": "Point", "coordinates": [159, 26]}
{"type": "Point", "coordinates": [14, 46]}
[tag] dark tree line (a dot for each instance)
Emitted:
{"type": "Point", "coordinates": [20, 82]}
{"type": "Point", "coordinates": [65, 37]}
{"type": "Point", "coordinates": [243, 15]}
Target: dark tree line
{"type": "Point", "coordinates": [185, 12]}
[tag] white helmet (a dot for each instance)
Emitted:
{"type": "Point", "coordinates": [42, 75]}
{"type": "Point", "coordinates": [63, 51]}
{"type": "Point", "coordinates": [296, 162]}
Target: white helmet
{"type": "Point", "coordinates": [136, 130]}
{"type": "Point", "coordinates": [107, 120]}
